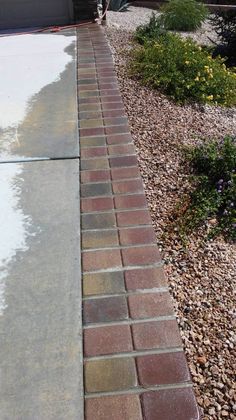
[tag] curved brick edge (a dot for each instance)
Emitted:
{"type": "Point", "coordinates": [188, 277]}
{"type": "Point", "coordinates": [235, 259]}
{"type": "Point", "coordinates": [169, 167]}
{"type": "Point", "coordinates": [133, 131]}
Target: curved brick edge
{"type": "Point", "coordinates": [134, 364]}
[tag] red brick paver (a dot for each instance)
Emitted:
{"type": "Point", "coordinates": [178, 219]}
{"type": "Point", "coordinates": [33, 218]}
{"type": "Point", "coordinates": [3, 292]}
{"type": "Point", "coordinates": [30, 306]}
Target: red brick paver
{"type": "Point", "coordinates": [147, 278]}
{"type": "Point", "coordinates": [170, 404]}
{"type": "Point", "coordinates": [125, 407]}
{"type": "Point", "coordinates": [107, 340]}
{"type": "Point", "coordinates": [134, 365]}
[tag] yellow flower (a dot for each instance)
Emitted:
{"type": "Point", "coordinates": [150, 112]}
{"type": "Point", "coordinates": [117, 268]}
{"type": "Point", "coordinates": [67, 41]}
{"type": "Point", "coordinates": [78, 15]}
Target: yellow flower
{"type": "Point", "coordinates": [196, 79]}
{"type": "Point", "coordinates": [186, 62]}
{"type": "Point", "coordinates": [210, 97]}
{"type": "Point", "coordinates": [208, 69]}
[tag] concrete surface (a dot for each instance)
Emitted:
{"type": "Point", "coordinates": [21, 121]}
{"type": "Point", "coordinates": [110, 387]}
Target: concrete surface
{"type": "Point", "coordinates": [38, 96]}
{"type": "Point", "coordinates": [40, 297]}
{"type": "Point", "coordinates": [41, 367]}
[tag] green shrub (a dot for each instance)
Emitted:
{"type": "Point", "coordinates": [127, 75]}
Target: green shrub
{"type": "Point", "coordinates": [151, 30]}
{"type": "Point", "coordinates": [183, 15]}
{"type": "Point", "coordinates": [183, 70]}
{"type": "Point", "coordinates": [224, 23]}
{"type": "Point", "coordinates": [214, 197]}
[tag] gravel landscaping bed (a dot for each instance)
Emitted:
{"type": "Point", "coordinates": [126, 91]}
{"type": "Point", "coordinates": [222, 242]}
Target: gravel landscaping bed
{"type": "Point", "coordinates": [136, 16]}
{"type": "Point", "coordinates": [202, 276]}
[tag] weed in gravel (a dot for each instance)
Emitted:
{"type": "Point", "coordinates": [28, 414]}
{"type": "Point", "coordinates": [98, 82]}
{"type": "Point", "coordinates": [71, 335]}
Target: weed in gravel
{"type": "Point", "coordinates": [151, 30]}
{"type": "Point", "coordinates": [183, 15]}
{"type": "Point", "coordinates": [214, 196]}
{"type": "Point", "coordinates": [183, 70]}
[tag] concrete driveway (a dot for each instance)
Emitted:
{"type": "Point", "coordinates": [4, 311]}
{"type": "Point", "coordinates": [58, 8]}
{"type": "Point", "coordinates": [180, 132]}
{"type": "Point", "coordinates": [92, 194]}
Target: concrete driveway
{"type": "Point", "coordinates": [40, 296]}
{"type": "Point", "coordinates": [38, 107]}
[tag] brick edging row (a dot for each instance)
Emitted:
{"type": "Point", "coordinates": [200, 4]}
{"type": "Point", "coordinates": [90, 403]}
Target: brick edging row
{"type": "Point", "coordinates": [134, 364]}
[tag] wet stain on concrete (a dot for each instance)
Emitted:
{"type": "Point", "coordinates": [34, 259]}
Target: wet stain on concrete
{"type": "Point", "coordinates": [40, 324]}
{"type": "Point", "coordinates": [38, 108]}
{"type": "Point", "coordinates": [50, 126]}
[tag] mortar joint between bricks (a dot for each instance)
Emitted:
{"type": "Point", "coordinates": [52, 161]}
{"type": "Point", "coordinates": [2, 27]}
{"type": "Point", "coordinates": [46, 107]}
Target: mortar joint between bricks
{"type": "Point", "coordinates": [106, 156]}
{"type": "Point", "coordinates": [128, 267]}
{"type": "Point", "coordinates": [115, 229]}
{"type": "Point", "coordinates": [118, 210]}
{"type": "Point", "coordinates": [117, 195]}
{"type": "Point", "coordinates": [139, 390]}
{"type": "Point", "coordinates": [130, 321]}
{"type": "Point", "coordinates": [128, 293]}
{"type": "Point", "coordinates": [92, 170]}
{"type": "Point", "coordinates": [110, 181]}
{"type": "Point", "coordinates": [135, 353]}
{"type": "Point", "coordinates": [118, 247]}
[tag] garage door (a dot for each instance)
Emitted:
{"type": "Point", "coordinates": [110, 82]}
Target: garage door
{"type": "Point", "coordinates": [28, 13]}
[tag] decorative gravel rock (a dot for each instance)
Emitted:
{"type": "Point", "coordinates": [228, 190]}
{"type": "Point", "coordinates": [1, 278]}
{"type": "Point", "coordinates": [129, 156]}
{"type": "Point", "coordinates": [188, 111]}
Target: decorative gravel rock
{"type": "Point", "coordinates": [130, 19]}
{"type": "Point", "coordinates": [136, 16]}
{"type": "Point", "coordinates": [202, 276]}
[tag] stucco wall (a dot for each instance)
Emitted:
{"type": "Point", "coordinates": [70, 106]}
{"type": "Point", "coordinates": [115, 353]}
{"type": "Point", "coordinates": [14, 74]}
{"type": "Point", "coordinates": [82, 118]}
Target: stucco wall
{"type": "Point", "coordinates": [85, 9]}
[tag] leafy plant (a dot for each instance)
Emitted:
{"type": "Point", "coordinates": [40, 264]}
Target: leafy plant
{"type": "Point", "coordinates": [224, 23]}
{"type": "Point", "coordinates": [214, 195]}
{"type": "Point", "coordinates": [182, 69]}
{"type": "Point", "coordinates": [183, 15]}
{"type": "Point", "coordinates": [151, 30]}
{"type": "Point", "coordinates": [118, 5]}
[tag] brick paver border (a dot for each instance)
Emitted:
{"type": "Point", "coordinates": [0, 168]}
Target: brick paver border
{"type": "Point", "coordinates": [134, 364]}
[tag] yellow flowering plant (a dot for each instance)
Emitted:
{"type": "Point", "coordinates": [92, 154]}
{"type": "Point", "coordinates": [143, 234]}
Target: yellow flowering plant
{"type": "Point", "coordinates": [182, 70]}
